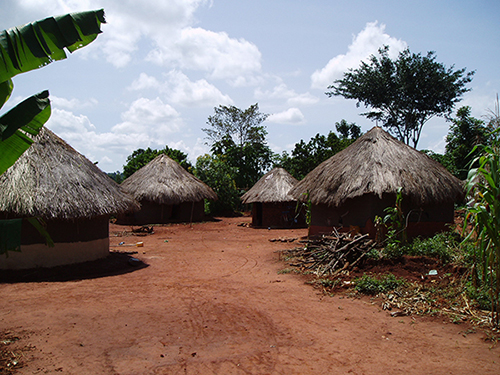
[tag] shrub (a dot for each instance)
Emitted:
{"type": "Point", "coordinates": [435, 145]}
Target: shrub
{"type": "Point", "coordinates": [372, 286]}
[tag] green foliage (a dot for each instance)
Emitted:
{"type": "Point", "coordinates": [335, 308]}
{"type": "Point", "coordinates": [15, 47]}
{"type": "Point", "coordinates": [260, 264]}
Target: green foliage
{"type": "Point", "coordinates": [238, 144]}
{"type": "Point", "coordinates": [395, 221]}
{"type": "Point", "coordinates": [443, 246]}
{"type": "Point", "coordinates": [465, 133]}
{"type": "Point", "coordinates": [307, 156]}
{"type": "Point", "coordinates": [375, 285]}
{"type": "Point", "coordinates": [218, 174]}
{"type": "Point", "coordinates": [116, 176]}
{"type": "Point", "coordinates": [403, 93]}
{"type": "Point", "coordinates": [483, 188]}
{"type": "Point", "coordinates": [139, 158]}
{"type": "Point", "coordinates": [29, 47]}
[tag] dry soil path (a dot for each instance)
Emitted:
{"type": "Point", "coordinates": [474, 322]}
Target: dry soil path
{"type": "Point", "coordinates": [212, 301]}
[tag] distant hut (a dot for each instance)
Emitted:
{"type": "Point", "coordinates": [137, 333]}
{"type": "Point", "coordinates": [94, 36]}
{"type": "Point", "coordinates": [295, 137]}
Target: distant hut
{"type": "Point", "coordinates": [73, 196]}
{"type": "Point", "coordinates": [272, 205]}
{"type": "Point", "coordinates": [167, 193]}
{"type": "Point", "coordinates": [357, 184]}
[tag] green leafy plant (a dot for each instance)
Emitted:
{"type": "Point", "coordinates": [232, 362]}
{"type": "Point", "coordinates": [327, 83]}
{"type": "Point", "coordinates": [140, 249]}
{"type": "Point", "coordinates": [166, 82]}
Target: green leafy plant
{"type": "Point", "coordinates": [483, 215]}
{"type": "Point", "coordinates": [29, 47]}
{"type": "Point", "coordinates": [396, 226]}
{"type": "Point", "coordinates": [372, 285]}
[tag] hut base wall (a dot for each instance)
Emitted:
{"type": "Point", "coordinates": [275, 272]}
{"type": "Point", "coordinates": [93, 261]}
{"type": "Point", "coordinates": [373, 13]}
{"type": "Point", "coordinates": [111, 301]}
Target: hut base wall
{"type": "Point", "coordinates": [277, 215]}
{"type": "Point", "coordinates": [359, 214]}
{"type": "Point", "coordinates": [424, 229]}
{"type": "Point", "coordinates": [153, 213]}
{"type": "Point", "coordinates": [39, 255]}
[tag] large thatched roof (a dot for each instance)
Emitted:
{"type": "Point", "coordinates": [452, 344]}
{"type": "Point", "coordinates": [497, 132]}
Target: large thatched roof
{"type": "Point", "coordinates": [274, 186]}
{"type": "Point", "coordinates": [53, 180]}
{"type": "Point", "coordinates": [164, 181]}
{"type": "Point", "coordinates": [378, 163]}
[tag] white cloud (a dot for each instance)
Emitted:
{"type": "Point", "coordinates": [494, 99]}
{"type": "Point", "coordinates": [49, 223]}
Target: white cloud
{"type": "Point", "coordinates": [144, 82]}
{"type": "Point", "coordinates": [290, 116]}
{"type": "Point", "coordinates": [366, 43]}
{"type": "Point", "coordinates": [281, 91]}
{"type": "Point", "coordinates": [73, 103]}
{"type": "Point", "coordinates": [181, 90]}
{"type": "Point", "coordinates": [217, 54]}
{"type": "Point", "coordinates": [151, 117]}
{"type": "Point", "coordinates": [147, 123]}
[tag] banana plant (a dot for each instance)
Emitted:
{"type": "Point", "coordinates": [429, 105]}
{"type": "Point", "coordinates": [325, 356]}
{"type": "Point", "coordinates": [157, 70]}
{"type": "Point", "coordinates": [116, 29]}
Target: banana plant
{"type": "Point", "coordinates": [30, 47]}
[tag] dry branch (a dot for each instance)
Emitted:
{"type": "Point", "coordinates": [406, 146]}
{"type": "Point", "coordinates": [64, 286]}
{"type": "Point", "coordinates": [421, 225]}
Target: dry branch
{"type": "Point", "coordinates": [330, 253]}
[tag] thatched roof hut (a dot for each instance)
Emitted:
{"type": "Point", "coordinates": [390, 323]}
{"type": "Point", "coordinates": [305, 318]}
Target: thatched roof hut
{"type": "Point", "coordinates": [356, 184]}
{"type": "Point", "coordinates": [72, 195]}
{"type": "Point", "coordinates": [166, 192]}
{"type": "Point", "coordinates": [273, 206]}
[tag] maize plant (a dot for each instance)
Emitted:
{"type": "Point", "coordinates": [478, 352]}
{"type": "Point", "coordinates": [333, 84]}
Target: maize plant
{"type": "Point", "coordinates": [483, 218]}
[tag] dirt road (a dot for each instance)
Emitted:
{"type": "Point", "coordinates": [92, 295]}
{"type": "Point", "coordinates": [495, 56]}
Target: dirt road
{"type": "Point", "coordinates": [211, 301]}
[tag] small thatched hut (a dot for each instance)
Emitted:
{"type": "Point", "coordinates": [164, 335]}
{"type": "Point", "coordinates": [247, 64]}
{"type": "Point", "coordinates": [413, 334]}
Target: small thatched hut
{"type": "Point", "coordinates": [272, 205]}
{"type": "Point", "coordinates": [167, 193]}
{"type": "Point", "coordinates": [358, 183]}
{"type": "Point", "coordinates": [73, 196]}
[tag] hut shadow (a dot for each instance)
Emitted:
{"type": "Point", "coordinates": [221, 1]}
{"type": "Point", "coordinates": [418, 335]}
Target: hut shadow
{"type": "Point", "coordinates": [116, 263]}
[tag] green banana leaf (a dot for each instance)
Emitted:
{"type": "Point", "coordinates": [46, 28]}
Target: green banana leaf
{"type": "Point", "coordinates": [27, 117]}
{"type": "Point", "coordinates": [37, 44]}
{"type": "Point", "coordinates": [29, 47]}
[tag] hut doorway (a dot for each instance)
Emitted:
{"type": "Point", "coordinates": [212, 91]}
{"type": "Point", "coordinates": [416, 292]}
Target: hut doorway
{"type": "Point", "coordinates": [258, 214]}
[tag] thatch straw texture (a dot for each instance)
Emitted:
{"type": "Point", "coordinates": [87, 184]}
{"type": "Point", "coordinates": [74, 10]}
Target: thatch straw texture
{"type": "Point", "coordinates": [274, 186]}
{"type": "Point", "coordinates": [52, 180]}
{"type": "Point", "coordinates": [164, 181]}
{"type": "Point", "coordinates": [378, 164]}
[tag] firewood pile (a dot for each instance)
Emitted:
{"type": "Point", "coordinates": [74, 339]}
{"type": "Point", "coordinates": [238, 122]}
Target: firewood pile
{"type": "Point", "coordinates": [330, 254]}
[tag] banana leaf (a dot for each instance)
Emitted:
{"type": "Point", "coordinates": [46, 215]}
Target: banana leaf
{"type": "Point", "coordinates": [27, 118]}
{"type": "Point", "coordinates": [37, 44]}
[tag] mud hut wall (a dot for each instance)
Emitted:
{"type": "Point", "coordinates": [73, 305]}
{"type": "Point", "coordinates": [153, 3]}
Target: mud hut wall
{"type": "Point", "coordinates": [277, 215]}
{"type": "Point", "coordinates": [150, 213]}
{"type": "Point", "coordinates": [188, 211]}
{"type": "Point", "coordinates": [75, 241]}
{"type": "Point", "coordinates": [67, 231]}
{"type": "Point", "coordinates": [40, 255]}
{"type": "Point", "coordinates": [359, 214]}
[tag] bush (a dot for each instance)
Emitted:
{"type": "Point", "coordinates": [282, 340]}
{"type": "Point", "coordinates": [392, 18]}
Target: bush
{"type": "Point", "coordinates": [373, 286]}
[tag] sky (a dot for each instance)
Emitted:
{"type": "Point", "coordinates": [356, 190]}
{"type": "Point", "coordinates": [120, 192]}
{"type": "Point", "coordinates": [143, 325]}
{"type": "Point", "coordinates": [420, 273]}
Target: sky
{"type": "Point", "coordinates": [155, 74]}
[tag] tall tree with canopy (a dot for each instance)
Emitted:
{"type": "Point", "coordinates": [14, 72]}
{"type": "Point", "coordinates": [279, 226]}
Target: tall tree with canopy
{"type": "Point", "coordinates": [30, 47]}
{"type": "Point", "coordinates": [239, 136]}
{"type": "Point", "coordinates": [403, 93]}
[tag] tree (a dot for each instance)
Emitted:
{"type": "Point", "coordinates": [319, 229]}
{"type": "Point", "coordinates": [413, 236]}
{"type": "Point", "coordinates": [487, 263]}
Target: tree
{"type": "Point", "coordinates": [29, 47]}
{"type": "Point", "coordinates": [307, 156]}
{"type": "Point", "coordinates": [218, 174]}
{"type": "Point", "coordinates": [403, 93]}
{"type": "Point", "coordinates": [465, 133]}
{"type": "Point", "coordinates": [239, 137]}
{"type": "Point", "coordinates": [140, 157]}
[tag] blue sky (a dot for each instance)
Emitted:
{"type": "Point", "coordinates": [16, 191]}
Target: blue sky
{"type": "Point", "coordinates": [160, 67]}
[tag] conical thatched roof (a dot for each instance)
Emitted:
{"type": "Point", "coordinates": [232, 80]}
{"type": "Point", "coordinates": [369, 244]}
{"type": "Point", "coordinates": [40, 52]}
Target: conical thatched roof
{"type": "Point", "coordinates": [53, 180]}
{"type": "Point", "coordinates": [274, 186]}
{"type": "Point", "coordinates": [378, 163]}
{"type": "Point", "coordinates": [164, 181]}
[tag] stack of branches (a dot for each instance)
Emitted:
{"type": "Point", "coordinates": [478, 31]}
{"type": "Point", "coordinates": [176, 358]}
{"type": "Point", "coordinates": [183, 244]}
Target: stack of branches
{"type": "Point", "coordinates": [330, 254]}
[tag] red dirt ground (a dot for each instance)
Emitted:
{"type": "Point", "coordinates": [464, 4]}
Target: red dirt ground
{"type": "Point", "coordinates": [208, 299]}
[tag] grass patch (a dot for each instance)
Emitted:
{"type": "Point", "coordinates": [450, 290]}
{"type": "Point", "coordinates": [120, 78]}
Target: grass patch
{"type": "Point", "coordinates": [372, 285]}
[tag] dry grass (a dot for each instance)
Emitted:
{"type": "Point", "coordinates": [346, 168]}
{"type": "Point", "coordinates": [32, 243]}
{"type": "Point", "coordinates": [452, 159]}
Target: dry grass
{"type": "Point", "coordinates": [274, 186]}
{"type": "Point", "coordinates": [52, 180]}
{"type": "Point", "coordinates": [164, 181]}
{"type": "Point", "coordinates": [377, 163]}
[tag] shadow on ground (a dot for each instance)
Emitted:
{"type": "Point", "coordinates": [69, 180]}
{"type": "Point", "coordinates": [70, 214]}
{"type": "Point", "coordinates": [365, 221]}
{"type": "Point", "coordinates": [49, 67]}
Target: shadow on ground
{"type": "Point", "coordinates": [116, 263]}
